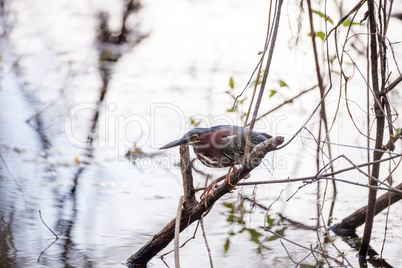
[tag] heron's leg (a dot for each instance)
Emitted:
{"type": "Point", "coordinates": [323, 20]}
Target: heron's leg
{"type": "Point", "coordinates": [232, 170]}
{"type": "Point", "coordinates": [229, 175]}
{"type": "Point", "coordinates": [210, 188]}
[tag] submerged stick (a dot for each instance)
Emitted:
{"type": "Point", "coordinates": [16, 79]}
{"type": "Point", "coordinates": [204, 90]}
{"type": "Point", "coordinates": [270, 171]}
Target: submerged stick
{"type": "Point", "coordinates": [357, 218]}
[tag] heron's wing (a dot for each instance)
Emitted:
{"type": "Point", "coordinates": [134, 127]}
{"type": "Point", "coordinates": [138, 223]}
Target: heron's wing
{"type": "Point", "coordinates": [236, 138]}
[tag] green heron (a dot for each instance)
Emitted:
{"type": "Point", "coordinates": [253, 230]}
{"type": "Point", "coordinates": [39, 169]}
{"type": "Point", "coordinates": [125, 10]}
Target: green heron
{"type": "Point", "coordinates": [219, 146]}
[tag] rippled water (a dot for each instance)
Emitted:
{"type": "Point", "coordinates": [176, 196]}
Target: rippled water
{"type": "Point", "coordinates": [57, 73]}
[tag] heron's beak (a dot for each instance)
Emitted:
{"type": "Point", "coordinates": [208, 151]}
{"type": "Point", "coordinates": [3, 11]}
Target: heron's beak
{"type": "Point", "coordinates": [175, 143]}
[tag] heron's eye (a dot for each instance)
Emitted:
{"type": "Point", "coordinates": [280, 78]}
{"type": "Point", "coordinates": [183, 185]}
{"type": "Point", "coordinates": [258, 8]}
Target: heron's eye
{"type": "Point", "coordinates": [194, 137]}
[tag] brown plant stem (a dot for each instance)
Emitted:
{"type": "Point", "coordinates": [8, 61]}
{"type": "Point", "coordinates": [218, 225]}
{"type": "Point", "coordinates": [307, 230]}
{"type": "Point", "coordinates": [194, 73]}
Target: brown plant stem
{"type": "Point", "coordinates": [260, 67]}
{"type": "Point", "coordinates": [379, 131]}
{"type": "Point", "coordinates": [323, 113]}
{"type": "Point", "coordinates": [188, 186]}
{"type": "Point", "coordinates": [265, 76]}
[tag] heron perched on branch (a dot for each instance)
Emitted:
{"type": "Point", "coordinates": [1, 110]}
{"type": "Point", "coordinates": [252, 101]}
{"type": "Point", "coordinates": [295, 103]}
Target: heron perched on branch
{"type": "Point", "coordinates": [220, 146]}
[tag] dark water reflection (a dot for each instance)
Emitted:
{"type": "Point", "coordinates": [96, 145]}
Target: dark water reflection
{"type": "Point", "coordinates": [72, 73]}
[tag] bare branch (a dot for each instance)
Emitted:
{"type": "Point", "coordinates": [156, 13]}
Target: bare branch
{"type": "Point", "coordinates": [177, 234]}
{"type": "Point", "coordinates": [57, 237]}
{"type": "Point", "coordinates": [188, 186]}
{"type": "Point", "coordinates": [354, 9]}
{"type": "Point", "coordinates": [393, 84]}
{"type": "Point", "coordinates": [206, 242]}
{"type": "Point", "coordinates": [327, 233]}
{"type": "Point", "coordinates": [286, 102]}
{"type": "Point", "coordinates": [40, 215]}
{"type": "Point", "coordinates": [266, 71]}
{"type": "Point", "coordinates": [357, 218]}
{"type": "Point", "coordinates": [309, 249]}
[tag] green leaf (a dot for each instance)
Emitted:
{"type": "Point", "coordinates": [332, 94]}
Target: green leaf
{"type": "Point", "coordinates": [252, 84]}
{"type": "Point", "coordinates": [271, 238]}
{"type": "Point", "coordinates": [231, 110]}
{"type": "Point", "coordinates": [231, 83]}
{"type": "Point", "coordinates": [254, 235]}
{"type": "Point", "coordinates": [242, 100]}
{"type": "Point", "coordinates": [331, 60]}
{"type": "Point", "coordinates": [194, 122]}
{"type": "Point", "coordinates": [281, 231]}
{"type": "Point", "coordinates": [265, 247]}
{"type": "Point", "coordinates": [322, 15]}
{"type": "Point", "coordinates": [270, 222]}
{"type": "Point", "coordinates": [282, 83]}
{"type": "Point", "coordinates": [274, 237]}
{"type": "Point", "coordinates": [347, 23]}
{"type": "Point", "coordinates": [226, 245]}
{"type": "Point", "coordinates": [320, 35]}
{"type": "Point", "coordinates": [397, 133]}
{"type": "Point", "coordinates": [273, 92]}
{"type": "Point", "coordinates": [228, 205]}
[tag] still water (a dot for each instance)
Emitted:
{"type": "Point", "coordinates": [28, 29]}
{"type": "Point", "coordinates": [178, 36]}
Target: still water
{"type": "Point", "coordinates": [76, 95]}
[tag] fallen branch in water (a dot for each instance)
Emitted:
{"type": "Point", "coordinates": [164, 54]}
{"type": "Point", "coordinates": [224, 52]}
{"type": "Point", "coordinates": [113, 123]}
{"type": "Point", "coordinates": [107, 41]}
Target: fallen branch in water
{"type": "Point", "coordinates": [193, 210]}
{"type": "Point", "coordinates": [357, 218]}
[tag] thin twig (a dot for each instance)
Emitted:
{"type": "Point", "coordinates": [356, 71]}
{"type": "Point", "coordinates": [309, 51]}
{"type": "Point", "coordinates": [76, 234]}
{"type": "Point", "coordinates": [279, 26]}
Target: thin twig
{"type": "Point", "coordinates": [356, 167]}
{"type": "Point", "coordinates": [286, 102]}
{"type": "Point", "coordinates": [266, 71]}
{"type": "Point", "coordinates": [376, 96]}
{"type": "Point", "coordinates": [329, 237]}
{"type": "Point", "coordinates": [287, 252]}
{"type": "Point", "coordinates": [310, 179]}
{"type": "Point", "coordinates": [177, 233]}
{"type": "Point", "coordinates": [386, 227]}
{"type": "Point", "coordinates": [353, 10]}
{"type": "Point", "coordinates": [304, 247]}
{"type": "Point", "coordinates": [306, 122]}
{"type": "Point", "coordinates": [298, 264]}
{"type": "Point", "coordinates": [182, 245]}
{"type": "Point", "coordinates": [260, 65]}
{"type": "Point", "coordinates": [40, 256]}
{"type": "Point", "coordinates": [57, 237]}
{"type": "Point", "coordinates": [40, 215]}
{"type": "Point", "coordinates": [393, 84]}
{"type": "Point", "coordinates": [323, 113]}
{"type": "Point", "coordinates": [298, 225]}
{"type": "Point", "coordinates": [312, 253]}
{"type": "Point", "coordinates": [206, 242]}
{"type": "Point", "coordinates": [163, 260]}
